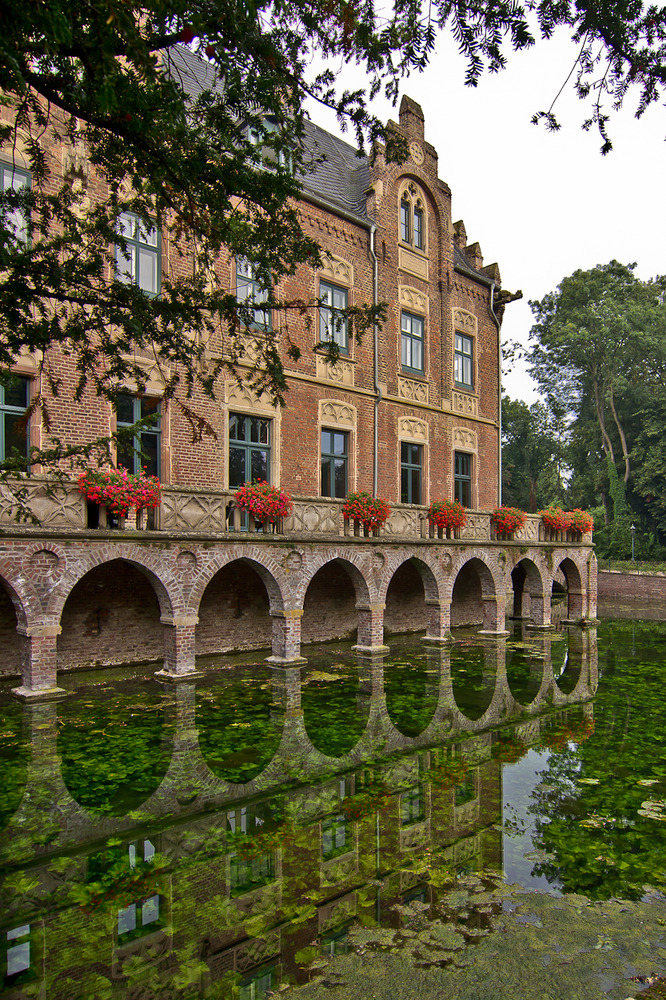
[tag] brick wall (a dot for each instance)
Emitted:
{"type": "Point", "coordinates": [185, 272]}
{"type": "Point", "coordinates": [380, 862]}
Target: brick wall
{"type": "Point", "coordinates": [466, 603]}
{"type": "Point", "coordinates": [233, 613]}
{"type": "Point", "coordinates": [624, 586]}
{"type": "Point", "coordinates": [329, 611]}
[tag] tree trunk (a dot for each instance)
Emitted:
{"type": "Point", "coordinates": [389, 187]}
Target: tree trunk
{"type": "Point", "coordinates": [620, 430]}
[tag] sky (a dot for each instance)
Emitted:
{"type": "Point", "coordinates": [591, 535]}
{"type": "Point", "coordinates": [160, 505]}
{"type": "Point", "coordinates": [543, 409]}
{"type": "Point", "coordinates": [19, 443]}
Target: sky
{"type": "Point", "coordinates": [540, 204]}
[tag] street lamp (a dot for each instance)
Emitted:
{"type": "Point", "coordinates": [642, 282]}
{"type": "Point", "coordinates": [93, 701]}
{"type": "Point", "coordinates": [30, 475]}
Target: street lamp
{"type": "Point", "coordinates": [632, 529]}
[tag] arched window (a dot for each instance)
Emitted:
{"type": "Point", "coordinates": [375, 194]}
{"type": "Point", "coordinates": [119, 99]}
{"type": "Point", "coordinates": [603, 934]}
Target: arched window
{"type": "Point", "coordinates": [413, 217]}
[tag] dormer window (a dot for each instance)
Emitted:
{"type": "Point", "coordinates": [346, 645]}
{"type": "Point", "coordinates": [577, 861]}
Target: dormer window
{"type": "Point", "coordinates": [412, 217]}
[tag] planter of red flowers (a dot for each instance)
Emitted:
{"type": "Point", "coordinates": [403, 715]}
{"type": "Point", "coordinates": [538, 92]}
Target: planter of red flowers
{"type": "Point", "coordinates": [120, 495]}
{"type": "Point", "coordinates": [505, 521]}
{"type": "Point", "coordinates": [446, 518]}
{"type": "Point", "coordinates": [580, 522]}
{"type": "Point", "coordinates": [367, 514]}
{"type": "Point", "coordinates": [265, 504]}
{"type": "Point", "coordinates": [555, 523]}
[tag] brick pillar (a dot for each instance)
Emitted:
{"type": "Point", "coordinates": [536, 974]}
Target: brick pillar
{"type": "Point", "coordinates": [286, 636]}
{"type": "Point", "coordinates": [370, 637]}
{"type": "Point", "coordinates": [39, 662]}
{"type": "Point", "coordinates": [591, 609]}
{"type": "Point", "coordinates": [439, 622]}
{"type": "Point", "coordinates": [575, 605]}
{"type": "Point", "coordinates": [179, 648]}
{"type": "Point", "coordinates": [539, 612]}
{"type": "Point", "coordinates": [493, 616]}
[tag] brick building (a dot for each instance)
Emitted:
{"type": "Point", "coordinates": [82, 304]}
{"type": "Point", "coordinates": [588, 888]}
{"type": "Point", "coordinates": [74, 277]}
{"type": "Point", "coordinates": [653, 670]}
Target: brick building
{"type": "Point", "coordinates": [411, 413]}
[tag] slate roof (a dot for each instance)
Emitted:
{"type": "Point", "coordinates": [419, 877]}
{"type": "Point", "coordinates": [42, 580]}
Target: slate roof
{"type": "Point", "coordinates": [462, 264]}
{"type": "Point", "coordinates": [337, 175]}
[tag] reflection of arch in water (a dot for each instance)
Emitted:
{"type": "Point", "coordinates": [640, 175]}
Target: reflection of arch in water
{"type": "Point", "coordinates": [334, 594]}
{"type": "Point", "coordinates": [112, 614]}
{"type": "Point", "coordinates": [528, 592]}
{"type": "Point", "coordinates": [524, 674]}
{"type": "Point", "coordinates": [412, 693]}
{"type": "Point", "coordinates": [335, 708]}
{"type": "Point", "coordinates": [473, 679]}
{"type": "Point", "coordinates": [235, 608]}
{"type": "Point", "coordinates": [410, 595]}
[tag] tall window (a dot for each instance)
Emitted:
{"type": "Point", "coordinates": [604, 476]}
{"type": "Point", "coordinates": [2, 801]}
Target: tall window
{"type": "Point", "coordinates": [334, 836]}
{"type": "Point", "coordinates": [462, 361]}
{"type": "Point", "coordinates": [405, 228]}
{"type": "Point", "coordinates": [14, 398]}
{"type": "Point", "coordinates": [139, 918]}
{"type": "Point", "coordinates": [139, 262]}
{"type": "Point", "coordinates": [332, 323]}
{"type": "Point", "coordinates": [334, 463]}
{"type": "Point", "coordinates": [462, 478]}
{"type": "Point", "coordinates": [411, 472]}
{"type": "Point", "coordinates": [17, 954]}
{"type": "Point", "coordinates": [419, 241]}
{"type": "Point", "coordinates": [412, 806]}
{"type": "Point", "coordinates": [141, 450]}
{"type": "Point", "coordinates": [13, 179]}
{"type": "Point", "coordinates": [249, 289]}
{"type": "Point", "coordinates": [249, 449]}
{"type": "Point", "coordinates": [411, 342]}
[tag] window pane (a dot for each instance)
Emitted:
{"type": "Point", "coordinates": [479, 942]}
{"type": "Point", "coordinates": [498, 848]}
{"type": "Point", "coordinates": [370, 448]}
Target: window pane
{"type": "Point", "coordinates": [259, 464]}
{"type": "Point", "coordinates": [150, 911]}
{"type": "Point", "coordinates": [327, 442]}
{"type": "Point", "coordinates": [237, 474]}
{"type": "Point", "coordinates": [18, 958]}
{"type": "Point", "coordinates": [406, 354]}
{"type": "Point", "coordinates": [236, 427]}
{"type": "Point", "coordinates": [340, 443]}
{"type": "Point", "coordinates": [148, 271]}
{"type": "Point", "coordinates": [416, 486]}
{"type": "Point", "coordinates": [404, 221]}
{"type": "Point", "coordinates": [125, 409]}
{"type": "Point", "coordinates": [125, 265]}
{"type": "Point", "coordinates": [127, 919]}
{"type": "Point", "coordinates": [340, 477]}
{"type": "Point", "coordinates": [148, 236]}
{"type": "Point", "coordinates": [404, 451]}
{"type": "Point", "coordinates": [418, 228]}
{"type": "Point", "coordinates": [404, 485]}
{"type": "Point", "coordinates": [16, 392]}
{"type": "Point", "coordinates": [417, 355]}
{"type": "Point", "coordinates": [150, 407]}
{"type": "Point", "coordinates": [150, 457]}
{"type": "Point", "coordinates": [15, 434]}
{"type": "Point", "coordinates": [326, 464]}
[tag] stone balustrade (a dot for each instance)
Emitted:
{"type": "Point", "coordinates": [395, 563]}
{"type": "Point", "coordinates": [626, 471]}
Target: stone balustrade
{"type": "Point", "coordinates": [59, 505]}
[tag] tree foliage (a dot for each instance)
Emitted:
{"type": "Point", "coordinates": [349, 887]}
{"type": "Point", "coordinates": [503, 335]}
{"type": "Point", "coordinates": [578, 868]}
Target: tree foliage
{"type": "Point", "coordinates": [106, 79]}
{"type": "Point", "coordinates": [532, 454]}
{"type": "Point", "coordinates": [599, 351]}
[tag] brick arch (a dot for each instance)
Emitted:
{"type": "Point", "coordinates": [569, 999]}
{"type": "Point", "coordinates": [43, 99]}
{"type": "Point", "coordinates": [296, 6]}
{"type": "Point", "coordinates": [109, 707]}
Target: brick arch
{"type": "Point", "coordinates": [491, 578]}
{"type": "Point", "coordinates": [574, 576]}
{"type": "Point", "coordinates": [163, 581]}
{"type": "Point", "coordinates": [350, 562]}
{"type": "Point", "coordinates": [427, 568]}
{"type": "Point", "coordinates": [267, 569]}
{"type": "Point", "coordinates": [24, 600]}
{"type": "Point", "coordinates": [527, 580]}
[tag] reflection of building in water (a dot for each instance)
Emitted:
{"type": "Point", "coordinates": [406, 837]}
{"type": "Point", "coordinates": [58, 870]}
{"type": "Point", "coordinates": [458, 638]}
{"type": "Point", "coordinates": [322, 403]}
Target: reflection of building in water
{"type": "Point", "coordinates": [238, 896]}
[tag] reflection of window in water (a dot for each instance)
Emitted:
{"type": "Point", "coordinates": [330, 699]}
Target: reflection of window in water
{"type": "Point", "coordinates": [334, 836]}
{"type": "Point", "coordinates": [419, 894]}
{"type": "Point", "coordinates": [17, 954]}
{"type": "Point", "coordinates": [412, 806]}
{"type": "Point", "coordinates": [250, 873]}
{"type": "Point", "coordinates": [139, 918]}
{"type": "Point", "coordinates": [466, 792]}
{"type": "Point", "coordinates": [241, 820]}
{"type": "Point", "coordinates": [335, 942]}
{"type": "Point", "coordinates": [257, 985]}
{"type": "Point", "coordinates": [122, 855]}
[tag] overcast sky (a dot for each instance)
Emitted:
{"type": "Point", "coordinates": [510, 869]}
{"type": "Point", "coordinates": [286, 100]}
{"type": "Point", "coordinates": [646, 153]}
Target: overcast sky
{"type": "Point", "coordinates": [541, 204]}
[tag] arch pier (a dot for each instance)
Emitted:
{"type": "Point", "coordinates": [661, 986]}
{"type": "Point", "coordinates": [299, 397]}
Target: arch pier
{"type": "Point", "coordinates": [81, 601]}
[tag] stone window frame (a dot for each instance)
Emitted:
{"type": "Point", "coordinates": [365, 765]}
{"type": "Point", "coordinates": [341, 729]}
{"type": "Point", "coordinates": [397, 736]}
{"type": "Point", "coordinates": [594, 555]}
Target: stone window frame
{"type": "Point", "coordinates": [136, 245]}
{"type": "Point", "coordinates": [414, 430]}
{"type": "Point", "coordinates": [412, 197]}
{"type": "Point", "coordinates": [7, 409]}
{"type": "Point", "coordinates": [338, 415]}
{"type": "Point", "coordinates": [465, 324]}
{"type": "Point", "coordinates": [254, 292]}
{"type": "Point", "coordinates": [472, 463]}
{"type": "Point", "coordinates": [408, 369]}
{"type": "Point", "coordinates": [14, 170]}
{"type": "Point", "coordinates": [463, 355]}
{"type": "Point", "coordinates": [332, 309]}
{"type": "Point", "coordinates": [241, 399]}
{"type": "Point", "coordinates": [137, 401]}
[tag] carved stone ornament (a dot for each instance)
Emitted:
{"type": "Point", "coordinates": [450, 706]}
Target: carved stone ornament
{"type": "Point", "coordinates": [464, 439]}
{"type": "Point", "coordinates": [242, 395]}
{"type": "Point", "coordinates": [338, 270]}
{"type": "Point", "coordinates": [413, 429]}
{"type": "Point", "coordinates": [413, 299]}
{"type": "Point", "coordinates": [332, 411]}
{"type": "Point", "coordinates": [464, 403]}
{"type": "Point", "coordinates": [415, 391]}
{"type": "Point", "coordinates": [413, 263]}
{"type": "Point", "coordinates": [416, 153]}
{"type": "Point", "coordinates": [464, 321]}
{"type": "Point", "coordinates": [342, 372]}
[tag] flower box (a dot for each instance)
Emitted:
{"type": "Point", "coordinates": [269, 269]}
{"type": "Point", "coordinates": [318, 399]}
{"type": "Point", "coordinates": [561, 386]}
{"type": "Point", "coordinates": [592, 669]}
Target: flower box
{"type": "Point", "coordinates": [266, 505]}
{"type": "Point", "coordinates": [505, 521]}
{"type": "Point", "coordinates": [446, 518]}
{"type": "Point", "coordinates": [581, 521]}
{"type": "Point", "coordinates": [556, 523]}
{"type": "Point", "coordinates": [367, 514]}
{"type": "Point", "coordinates": [120, 495]}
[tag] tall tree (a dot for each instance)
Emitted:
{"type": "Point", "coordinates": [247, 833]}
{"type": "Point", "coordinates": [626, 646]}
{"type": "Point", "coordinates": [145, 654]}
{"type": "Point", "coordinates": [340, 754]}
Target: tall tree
{"type": "Point", "coordinates": [532, 452]}
{"type": "Point", "coordinates": [598, 335]}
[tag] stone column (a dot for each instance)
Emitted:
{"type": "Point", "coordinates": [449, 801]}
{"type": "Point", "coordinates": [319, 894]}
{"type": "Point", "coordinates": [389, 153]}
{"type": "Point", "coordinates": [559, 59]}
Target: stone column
{"type": "Point", "coordinates": [439, 622]}
{"type": "Point", "coordinates": [370, 629]}
{"type": "Point", "coordinates": [493, 616]}
{"type": "Point", "coordinates": [179, 648]}
{"type": "Point", "coordinates": [286, 636]}
{"type": "Point", "coordinates": [39, 662]}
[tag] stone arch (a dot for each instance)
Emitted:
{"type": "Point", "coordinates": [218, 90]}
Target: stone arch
{"type": "Point", "coordinates": [575, 586]}
{"type": "Point", "coordinates": [267, 569]}
{"type": "Point", "coordinates": [355, 567]}
{"type": "Point", "coordinates": [120, 614]}
{"type": "Point", "coordinates": [477, 594]}
{"type": "Point", "coordinates": [529, 599]}
{"type": "Point", "coordinates": [235, 608]}
{"type": "Point", "coordinates": [13, 618]}
{"type": "Point", "coordinates": [410, 592]}
{"type": "Point", "coordinates": [329, 610]}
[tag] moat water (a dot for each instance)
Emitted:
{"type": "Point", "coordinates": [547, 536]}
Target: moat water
{"type": "Point", "coordinates": [485, 819]}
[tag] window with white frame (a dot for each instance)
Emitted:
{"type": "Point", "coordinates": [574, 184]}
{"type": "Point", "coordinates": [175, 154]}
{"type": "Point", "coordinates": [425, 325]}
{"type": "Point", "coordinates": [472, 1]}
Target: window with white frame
{"type": "Point", "coordinates": [412, 218]}
{"type": "Point", "coordinates": [250, 290]}
{"type": "Point", "coordinates": [14, 179]}
{"type": "Point", "coordinates": [332, 321]}
{"type": "Point", "coordinates": [138, 258]}
{"type": "Point", "coordinates": [463, 361]}
{"type": "Point", "coordinates": [411, 342]}
{"type": "Point", "coordinates": [14, 402]}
